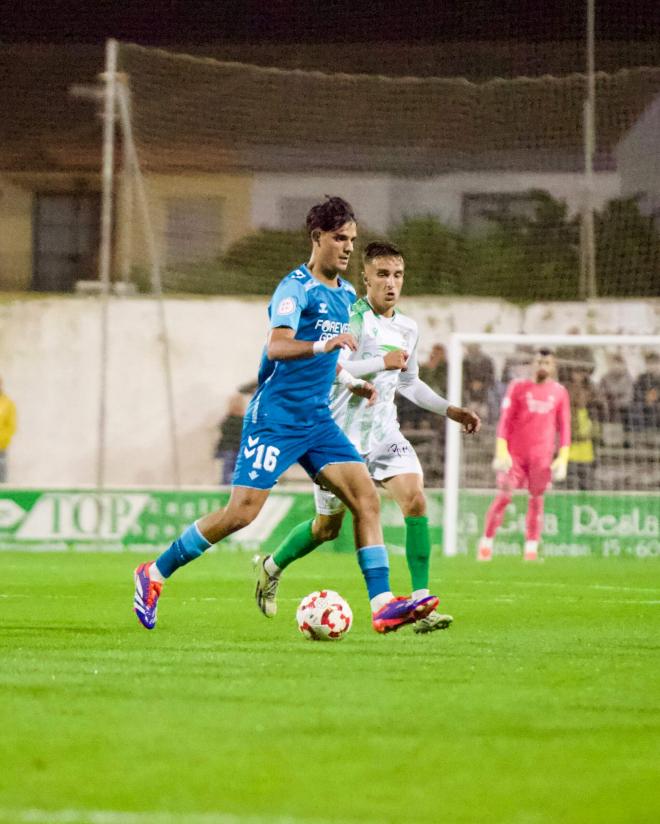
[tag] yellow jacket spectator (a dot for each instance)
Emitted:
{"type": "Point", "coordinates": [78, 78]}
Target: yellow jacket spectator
{"type": "Point", "coordinates": [7, 429]}
{"type": "Point", "coordinates": [581, 455]}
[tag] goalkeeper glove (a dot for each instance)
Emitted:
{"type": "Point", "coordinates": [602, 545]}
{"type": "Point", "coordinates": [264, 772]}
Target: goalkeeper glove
{"type": "Point", "coordinates": [560, 465]}
{"type": "Point", "coordinates": [502, 461]}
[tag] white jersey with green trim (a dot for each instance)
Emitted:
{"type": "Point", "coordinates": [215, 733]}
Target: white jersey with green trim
{"type": "Point", "coordinates": [368, 426]}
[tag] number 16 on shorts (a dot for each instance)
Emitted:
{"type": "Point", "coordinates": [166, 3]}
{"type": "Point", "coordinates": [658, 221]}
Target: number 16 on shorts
{"type": "Point", "coordinates": [265, 457]}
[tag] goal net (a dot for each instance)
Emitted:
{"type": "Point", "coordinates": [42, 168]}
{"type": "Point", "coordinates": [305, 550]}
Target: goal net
{"type": "Point", "coordinates": [500, 189]}
{"type": "Point", "coordinates": [480, 182]}
{"type": "Point", "coordinates": [609, 502]}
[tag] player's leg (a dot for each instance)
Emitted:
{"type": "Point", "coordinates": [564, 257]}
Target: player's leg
{"type": "Point", "coordinates": [302, 540]}
{"type": "Point", "coordinates": [243, 507]}
{"type": "Point", "coordinates": [253, 479]}
{"type": "Point", "coordinates": [539, 478]}
{"type": "Point", "coordinates": [352, 484]}
{"type": "Point", "coordinates": [407, 490]}
{"type": "Point", "coordinates": [506, 483]}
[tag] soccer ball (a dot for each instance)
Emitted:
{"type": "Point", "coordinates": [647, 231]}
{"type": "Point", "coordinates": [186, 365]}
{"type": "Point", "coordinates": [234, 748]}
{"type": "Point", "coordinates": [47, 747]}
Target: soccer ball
{"type": "Point", "coordinates": [324, 616]}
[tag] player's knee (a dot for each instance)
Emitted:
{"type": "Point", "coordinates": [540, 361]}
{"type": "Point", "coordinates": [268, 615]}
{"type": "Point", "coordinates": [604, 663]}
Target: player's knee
{"type": "Point", "coordinates": [326, 529]}
{"type": "Point", "coordinates": [241, 519]}
{"type": "Point", "coordinates": [415, 505]}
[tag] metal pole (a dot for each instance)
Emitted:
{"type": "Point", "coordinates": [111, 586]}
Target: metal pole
{"type": "Point", "coordinates": [128, 196]}
{"type": "Point", "coordinates": [156, 279]}
{"type": "Point", "coordinates": [588, 231]}
{"type": "Point", "coordinates": [105, 251]}
{"type": "Point", "coordinates": [453, 452]}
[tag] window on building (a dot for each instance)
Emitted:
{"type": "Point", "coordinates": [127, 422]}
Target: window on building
{"type": "Point", "coordinates": [66, 240]}
{"type": "Point", "coordinates": [481, 209]}
{"type": "Point", "coordinates": [194, 229]}
{"type": "Point", "coordinates": [292, 211]}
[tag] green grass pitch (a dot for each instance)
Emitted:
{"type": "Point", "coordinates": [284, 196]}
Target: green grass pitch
{"type": "Point", "coordinates": [541, 703]}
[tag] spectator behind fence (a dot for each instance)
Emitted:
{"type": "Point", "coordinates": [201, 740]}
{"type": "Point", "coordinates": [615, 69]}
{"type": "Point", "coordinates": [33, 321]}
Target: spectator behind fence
{"type": "Point", "coordinates": [7, 429]}
{"type": "Point", "coordinates": [434, 370]}
{"type": "Point", "coordinates": [574, 356]}
{"type": "Point", "coordinates": [588, 412]}
{"type": "Point", "coordinates": [228, 444]}
{"type": "Point", "coordinates": [581, 455]}
{"type": "Point", "coordinates": [479, 387]}
{"type": "Point", "coordinates": [616, 389]}
{"type": "Point", "coordinates": [646, 395]}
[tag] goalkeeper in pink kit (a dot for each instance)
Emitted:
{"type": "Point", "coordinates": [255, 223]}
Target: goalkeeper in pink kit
{"type": "Point", "coordinates": [534, 413]}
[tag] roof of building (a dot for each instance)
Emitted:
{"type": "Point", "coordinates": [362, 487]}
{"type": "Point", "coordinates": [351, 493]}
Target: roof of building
{"type": "Point", "coordinates": [202, 114]}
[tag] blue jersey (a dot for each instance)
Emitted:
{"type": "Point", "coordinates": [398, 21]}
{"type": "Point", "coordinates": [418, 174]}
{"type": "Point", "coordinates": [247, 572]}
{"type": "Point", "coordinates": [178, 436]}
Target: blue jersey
{"type": "Point", "coordinates": [298, 391]}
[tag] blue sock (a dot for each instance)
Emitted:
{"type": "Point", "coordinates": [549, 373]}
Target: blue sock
{"type": "Point", "coordinates": [188, 546]}
{"type": "Point", "coordinates": [375, 567]}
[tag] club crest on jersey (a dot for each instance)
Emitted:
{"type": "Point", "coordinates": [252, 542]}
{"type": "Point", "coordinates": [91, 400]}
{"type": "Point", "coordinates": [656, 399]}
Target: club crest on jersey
{"type": "Point", "coordinates": [286, 306]}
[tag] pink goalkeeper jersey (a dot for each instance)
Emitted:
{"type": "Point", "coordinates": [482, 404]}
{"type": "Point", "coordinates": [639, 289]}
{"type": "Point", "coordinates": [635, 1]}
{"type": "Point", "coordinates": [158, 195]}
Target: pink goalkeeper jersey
{"type": "Point", "coordinates": [532, 415]}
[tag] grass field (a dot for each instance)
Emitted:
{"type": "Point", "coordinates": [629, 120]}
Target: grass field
{"type": "Point", "coordinates": [541, 704]}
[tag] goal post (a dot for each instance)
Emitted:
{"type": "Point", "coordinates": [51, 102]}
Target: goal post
{"type": "Point", "coordinates": [629, 437]}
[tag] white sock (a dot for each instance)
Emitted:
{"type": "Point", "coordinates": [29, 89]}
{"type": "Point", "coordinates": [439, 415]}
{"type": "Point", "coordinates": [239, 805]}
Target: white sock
{"type": "Point", "coordinates": [421, 593]}
{"type": "Point", "coordinates": [271, 567]}
{"type": "Point", "coordinates": [155, 574]}
{"type": "Point", "coordinates": [486, 542]}
{"type": "Point", "coordinates": [531, 546]}
{"type": "Point", "coordinates": [380, 600]}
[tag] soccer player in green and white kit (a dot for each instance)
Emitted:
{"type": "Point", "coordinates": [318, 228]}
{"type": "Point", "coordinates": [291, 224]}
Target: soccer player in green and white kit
{"type": "Point", "coordinates": [387, 355]}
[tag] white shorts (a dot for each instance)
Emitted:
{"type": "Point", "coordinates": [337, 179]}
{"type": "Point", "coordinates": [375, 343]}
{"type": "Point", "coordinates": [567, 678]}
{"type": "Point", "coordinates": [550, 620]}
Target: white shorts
{"type": "Point", "coordinates": [394, 456]}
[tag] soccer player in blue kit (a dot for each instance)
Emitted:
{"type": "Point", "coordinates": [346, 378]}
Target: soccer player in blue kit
{"type": "Point", "coordinates": [288, 420]}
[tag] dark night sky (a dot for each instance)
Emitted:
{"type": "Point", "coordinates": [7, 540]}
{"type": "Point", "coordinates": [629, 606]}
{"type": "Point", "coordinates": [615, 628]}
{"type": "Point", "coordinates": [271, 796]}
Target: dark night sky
{"type": "Point", "coordinates": [176, 21]}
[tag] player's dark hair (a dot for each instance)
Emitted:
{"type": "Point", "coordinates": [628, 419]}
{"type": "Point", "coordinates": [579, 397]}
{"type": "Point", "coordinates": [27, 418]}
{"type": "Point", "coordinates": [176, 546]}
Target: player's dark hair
{"type": "Point", "coordinates": [329, 215]}
{"type": "Point", "coordinates": [544, 353]}
{"type": "Point", "coordinates": [380, 248]}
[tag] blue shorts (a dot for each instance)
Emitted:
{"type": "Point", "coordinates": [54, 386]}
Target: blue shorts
{"type": "Point", "coordinates": [268, 449]}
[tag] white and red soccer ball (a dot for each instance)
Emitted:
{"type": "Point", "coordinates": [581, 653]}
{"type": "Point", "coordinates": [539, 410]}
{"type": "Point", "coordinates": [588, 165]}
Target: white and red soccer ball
{"type": "Point", "coordinates": [324, 616]}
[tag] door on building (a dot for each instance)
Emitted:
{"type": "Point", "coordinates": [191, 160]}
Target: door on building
{"type": "Point", "coordinates": [66, 240]}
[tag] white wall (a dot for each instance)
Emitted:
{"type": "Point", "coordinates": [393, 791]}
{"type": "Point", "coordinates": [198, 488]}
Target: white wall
{"type": "Point", "coordinates": [381, 201]}
{"type": "Point", "coordinates": [368, 194]}
{"type": "Point", "coordinates": [49, 361]}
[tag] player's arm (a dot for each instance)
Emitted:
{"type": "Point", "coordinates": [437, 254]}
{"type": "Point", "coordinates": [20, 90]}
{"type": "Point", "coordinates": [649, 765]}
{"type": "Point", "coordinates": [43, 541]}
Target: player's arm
{"type": "Point", "coordinates": [282, 345]}
{"type": "Point", "coordinates": [363, 389]}
{"type": "Point", "coordinates": [414, 389]}
{"type": "Point", "coordinates": [287, 305]}
{"type": "Point", "coordinates": [502, 461]}
{"type": "Point", "coordinates": [421, 394]}
{"type": "Point", "coordinates": [395, 359]}
{"type": "Point", "coordinates": [560, 464]}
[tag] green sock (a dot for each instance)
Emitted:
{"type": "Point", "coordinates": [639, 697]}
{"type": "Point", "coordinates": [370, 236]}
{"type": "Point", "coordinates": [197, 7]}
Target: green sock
{"type": "Point", "coordinates": [298, 543]}
{"type": "Point", "coordinates": [418, 550]}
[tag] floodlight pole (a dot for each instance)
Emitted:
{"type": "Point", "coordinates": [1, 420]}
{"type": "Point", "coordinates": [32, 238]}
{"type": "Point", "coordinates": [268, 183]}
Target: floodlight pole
{"type": "Point", "coordinates": [105, 251]}
{"type": "Point", "coordinates": [588, 244]}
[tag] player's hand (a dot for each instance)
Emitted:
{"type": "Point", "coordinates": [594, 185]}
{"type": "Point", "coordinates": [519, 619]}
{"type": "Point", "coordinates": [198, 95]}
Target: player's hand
{"type": "Point", "coordinates": [396, 359]}
{"type": "Point", "coordinates": [503, 460]}
{"type": "Point", "coordinates": [559, 468]}
{"type": "Point", "coordinates": [469, 420]}
{"type": "Point", "coordinates": [502, 464]}
{"type": "Point", "coordinates": [365, 390]}
{"type": "Point", "coordinates": [343, 341]}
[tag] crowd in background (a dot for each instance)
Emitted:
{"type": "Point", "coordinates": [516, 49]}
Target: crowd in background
{"type": "Point", "coordinates": [617, 409]}
{"type": "Point", "coordinates": [610, 410]}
